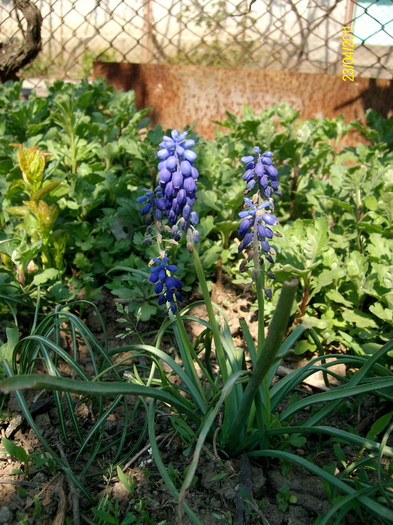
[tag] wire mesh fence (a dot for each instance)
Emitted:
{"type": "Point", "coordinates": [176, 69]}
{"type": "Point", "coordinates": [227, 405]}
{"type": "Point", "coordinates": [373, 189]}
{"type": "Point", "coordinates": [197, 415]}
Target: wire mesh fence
{"type": "Point", "coordinates": [284, 35]}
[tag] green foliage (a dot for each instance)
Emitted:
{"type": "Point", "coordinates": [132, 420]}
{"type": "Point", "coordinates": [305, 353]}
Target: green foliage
{"type": "Point", "coordinates": [107, 512]}
{"type": "Point", "coordinates": [83, 153]}
{"type": "Point", "coordinates": [15, 451]}
{"type": "Point", "coordinates": [67, 201]}
{"type": "Point", "coordinates": [284, 498]}
{"type": "Point", "coordinates": [98, 153]}
{"type": "Point", "coordinates": [249, 402]}
{"type": "Point", "coordinates": [339, 218]}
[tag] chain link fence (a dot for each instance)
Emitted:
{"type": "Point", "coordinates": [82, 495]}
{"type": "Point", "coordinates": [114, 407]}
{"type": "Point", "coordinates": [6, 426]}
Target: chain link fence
{"type": "Point", "coordinates": [283, 35]}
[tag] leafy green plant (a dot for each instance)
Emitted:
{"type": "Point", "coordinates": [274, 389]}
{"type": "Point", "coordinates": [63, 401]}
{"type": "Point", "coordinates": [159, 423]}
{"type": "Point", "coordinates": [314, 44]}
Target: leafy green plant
{"type": "Point", "coordinates": [347, 192]}
{"type": "Point", "coordinates": [107, 512]}
{"type": "Point", "coordinates": [247, 399]}
{"type": "Point", "coordinates": [284, 498]}
{"type": "Point", "coordinates": [16, 451]}
{"type": "Point", "coordinates": [96, 155]}
{"type": "Point", "coordinates": [45, 342]}
{"type": "Point", "coordinates": [100, 151]}
{"type": "Point", "coordinates": [39, 242]}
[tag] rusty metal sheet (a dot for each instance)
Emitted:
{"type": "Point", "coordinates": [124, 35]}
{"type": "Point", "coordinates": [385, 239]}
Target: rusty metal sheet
{"type": "Point", "coordinates": [184, 95]}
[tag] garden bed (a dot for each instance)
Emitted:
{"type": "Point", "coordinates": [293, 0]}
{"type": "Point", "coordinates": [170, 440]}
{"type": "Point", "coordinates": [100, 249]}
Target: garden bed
{"type": "Point", "coordinates": [277, 494]}
{"type": "Point", "coordinates": [204, 340]}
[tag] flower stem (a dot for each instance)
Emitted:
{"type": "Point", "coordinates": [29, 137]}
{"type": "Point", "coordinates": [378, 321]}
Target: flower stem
{"type": "Point", "coordinates": [265, 360]}
{"type": "Point", "coordinates": [212, 319]}
{"type": "Point", "coordinates": [260, 284]}
{"type": "Point", "coordinates": [259, 276]}
{"type": "Point", "coordinates": [186, 354]}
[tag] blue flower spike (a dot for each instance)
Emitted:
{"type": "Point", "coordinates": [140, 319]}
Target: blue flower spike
{"type": "Point", "coordinates": [260, 173]}
{"type": "Point", "coordinates": [177, 178]}
{"type": "Point", "coordinates": [257, 218]}
{"type": "Point", "coordinates": [255, 225]}
{"type": "Point", "coordinates": [166, 286]}
{"type": "Point", "coordinates": [170, 206]}
{"type": "Point", "coordinates": [153, 204]}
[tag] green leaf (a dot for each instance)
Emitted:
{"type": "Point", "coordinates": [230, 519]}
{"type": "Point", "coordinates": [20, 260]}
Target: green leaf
{"type": "Point", "coordinates": [219, 476]}
{"type": "Point", "coordinates": [339, 453]}
{"type": "Point", "coordinates": [210, 256]}
{"type": "Point", "coordinates": [380, 248]}
{"type": "Point", "coordinates": [385, 314]}
{"type": "Point", "coordinates": [303, 347]}
{"type": "Point", "coordinates": [327, 278]}
{"type": "Point", "coordinates": [207, 200]}
{"type": "Point", "coordinates": [342, 204]}
{"type": "Point", "coordinates": [19, 211]}
{"type": "Point", "coordinates": [46, 188]}
{"type": "Point", "coordinates": [59, 292]}
{"type": "Point", "coordinates": [14, 450]}
{"type": "Point", "coordinates": [387, 205]}
{"type": "Point", "coordinates": [206, 225]}
{"type": "Point", "coordinates": [337, 297]}
{"type": "Point", "coordinates": [105, 516]}
{"type": "Point", "coordinates": [371, 203]}
{"type": "Point", "coordinates": [317, 238]}
{"type": "Point", "coordinates": [297, 441]}
{"type": "Point", "coordinates": [146, 310]}
{"type": "Point", "coordinates": [7, 349]}
{"type": "Point", "coordinates": [72, 205]}
{"type": "Point", "coordinates": [379, 426]}
{"type": "Point", "coordinates": [357, 264]}
{"type": "Point", "coordinates": [94, 388]}
{"type": "Point", "coordinates": [47, 275]}
{"type": "Point", "coordinates": [124, 293]}
{"type": "Point", "coordinates": [82, 262]}
{"type": "Point", "coordinates": [132, 147]}
{"type": "Point", "coordinates": [359, 319]}
{"type": "Point", "coordinates": [371, 348]}
{"type": "Point", "coordinates": [123, 478]}
{"type": "Point", "coordinates": [227, 227]}
{"type": "Point", "coordinates": [314, 322]}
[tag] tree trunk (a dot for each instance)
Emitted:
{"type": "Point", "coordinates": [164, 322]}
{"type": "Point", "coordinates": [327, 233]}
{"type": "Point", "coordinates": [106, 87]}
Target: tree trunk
{"type": "Point", "coordinates": [13, 56]}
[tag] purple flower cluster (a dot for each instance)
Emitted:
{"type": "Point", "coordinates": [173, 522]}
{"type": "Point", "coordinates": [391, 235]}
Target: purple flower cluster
{"type": "Point", "coordinates": [166, 286]}
{"type": "Point", "coordinates": [261, 173]}
{"type": "Point", "coordinates": [255, 225]}
{"type": "Point", "coordinates": [154, 204]}
{"type": "Point", "coordinates": [173, 199]}
{"type": "Point", "coordinates": [178, 179]}
{"type": "Point", "coordinates": [257, 218]}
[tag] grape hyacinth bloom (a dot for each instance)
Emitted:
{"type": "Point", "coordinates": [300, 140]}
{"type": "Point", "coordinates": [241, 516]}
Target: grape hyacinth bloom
{"type": "Point", "coordinates": [257, 218]}
{"type": "Point", "coordinates": [260, 173]}
{"type": "Point", "coordinates": [255, 227]}
{"type": "Point", "coordinates": [166, 285]}
{"type": "Point", "coordinates": [153, 204]}
{"type": "Point", "coordinates": [178, 180]}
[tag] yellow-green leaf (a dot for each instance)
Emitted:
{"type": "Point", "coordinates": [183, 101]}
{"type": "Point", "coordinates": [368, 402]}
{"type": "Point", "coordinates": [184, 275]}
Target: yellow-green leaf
{"type": "Point", "coordinates": [46, 188]}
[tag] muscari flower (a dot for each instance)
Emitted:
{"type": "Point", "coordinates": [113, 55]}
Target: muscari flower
{"type": "Point", "coordinates": [166, 285]}
{"type": "Point", "coordinates": [261, 173]}
{"type": "Point", "coordinates": [153, 204]}
{"type": "Point", "coordinates": [257, 217]}
{"type": "Point", "coordinates": [178, 180]}
{"type": "Point", "coordinates": [255, 225]}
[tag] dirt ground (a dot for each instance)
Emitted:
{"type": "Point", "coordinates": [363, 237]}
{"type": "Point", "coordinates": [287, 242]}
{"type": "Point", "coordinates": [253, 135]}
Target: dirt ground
{"type": "Point", "coordinates": [276, 494]}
